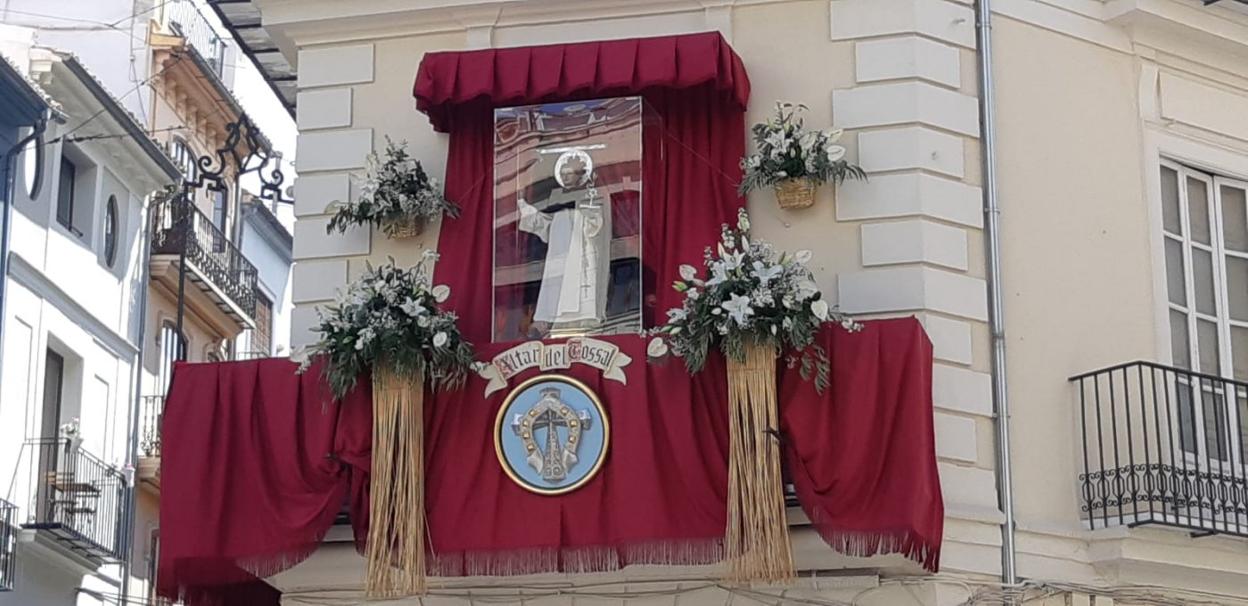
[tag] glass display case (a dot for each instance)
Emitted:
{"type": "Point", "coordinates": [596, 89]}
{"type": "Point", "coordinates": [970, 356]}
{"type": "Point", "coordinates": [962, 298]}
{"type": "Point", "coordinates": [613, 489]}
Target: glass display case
{"type": "Point", "coordinates": [568, 185]}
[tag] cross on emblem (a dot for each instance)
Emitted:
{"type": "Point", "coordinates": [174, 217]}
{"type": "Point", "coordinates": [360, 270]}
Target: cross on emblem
{"type": "Point", "coordinates": [556, 456]}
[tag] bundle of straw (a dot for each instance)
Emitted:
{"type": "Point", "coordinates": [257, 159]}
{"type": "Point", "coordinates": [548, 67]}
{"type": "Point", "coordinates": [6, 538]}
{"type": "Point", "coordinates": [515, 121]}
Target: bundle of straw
{"type": "Point", "coordinates": [756, 542]}
{"type": "Point", "coordinates": [396, 531]}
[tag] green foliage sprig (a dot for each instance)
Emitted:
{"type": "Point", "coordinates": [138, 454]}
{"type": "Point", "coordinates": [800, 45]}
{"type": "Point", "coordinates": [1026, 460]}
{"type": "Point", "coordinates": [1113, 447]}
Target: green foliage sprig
{"type": "Point", "coordinates": [394, 190]}
{"type": "Point", "coordinates": [786, 150]}
{"type": "Point", "coordinates": [390, 318]}
{"type": "Point", "coordinates": [750, 294]}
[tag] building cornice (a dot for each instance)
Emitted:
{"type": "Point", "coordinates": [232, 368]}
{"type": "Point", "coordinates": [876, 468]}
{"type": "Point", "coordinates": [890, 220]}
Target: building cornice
{"type": "Point", "coordinates": [138, 158]}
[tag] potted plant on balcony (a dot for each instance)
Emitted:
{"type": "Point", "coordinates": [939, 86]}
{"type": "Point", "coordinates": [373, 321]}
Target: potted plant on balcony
{"type": "Point", "coordinates": [795, 161]}
{"type": "Point", "coordinates": [752, 303]}
{"type": "Point", "coordinates": [389, 322]}
{"type": "Point", "coordinates": [396, 195]}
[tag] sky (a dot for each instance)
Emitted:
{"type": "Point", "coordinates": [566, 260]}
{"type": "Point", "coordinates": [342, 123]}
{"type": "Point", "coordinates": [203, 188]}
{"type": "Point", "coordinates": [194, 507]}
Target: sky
{"type": "Point", "coordinates": [262, 104]}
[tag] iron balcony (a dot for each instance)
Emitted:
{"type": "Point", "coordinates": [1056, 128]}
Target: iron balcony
{"type": "Point", "coordinates": [74, 497]}
{"type": "Point", "coordinates": [1163, 446]}
{"type": "Point", "coordinates": [181, 233]}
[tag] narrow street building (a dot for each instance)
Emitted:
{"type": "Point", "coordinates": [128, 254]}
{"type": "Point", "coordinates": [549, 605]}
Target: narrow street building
{"type": "Point", "coordinates": [73, 296]}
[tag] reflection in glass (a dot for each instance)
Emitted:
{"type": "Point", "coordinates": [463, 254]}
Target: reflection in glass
{"type": "Point", "coordinates": [567, 219]}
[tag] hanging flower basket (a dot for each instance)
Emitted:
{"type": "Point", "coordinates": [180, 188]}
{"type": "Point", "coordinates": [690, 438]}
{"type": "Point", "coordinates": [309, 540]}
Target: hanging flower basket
{"type": "Point", "coordinates": [396, 195]}
{"type": "Point", "coordinates": [406, 227]}
{"type": "Point", "coordinates": [795, 193]}
{"type": "Point", "coordinates": [794, 161]}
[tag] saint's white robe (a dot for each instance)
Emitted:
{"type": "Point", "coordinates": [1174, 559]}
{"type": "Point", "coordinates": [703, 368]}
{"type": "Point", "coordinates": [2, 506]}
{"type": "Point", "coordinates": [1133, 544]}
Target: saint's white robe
{"type": "Point", "coordinates": [577, 270]}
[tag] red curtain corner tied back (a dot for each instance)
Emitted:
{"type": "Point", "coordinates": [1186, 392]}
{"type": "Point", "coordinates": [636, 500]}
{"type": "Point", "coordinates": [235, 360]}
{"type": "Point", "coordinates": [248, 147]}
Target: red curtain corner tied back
{"type": "Point", "coordinates": [258, 460]}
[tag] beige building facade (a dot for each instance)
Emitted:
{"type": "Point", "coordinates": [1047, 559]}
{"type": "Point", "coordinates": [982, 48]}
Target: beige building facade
{"type": "Point", "coordinates": [1122, 151]}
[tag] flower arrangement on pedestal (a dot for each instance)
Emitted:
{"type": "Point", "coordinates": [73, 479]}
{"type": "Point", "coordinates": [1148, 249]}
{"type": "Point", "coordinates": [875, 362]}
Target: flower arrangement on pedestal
{"type": "Point", "coordinates": [396, 195]}
{"type": "Point", "coordinates": [752, 303]}
{"type": "Point", "coordinates": [389, 322]}
{"type": "Point", "coordinates": [793, 160]}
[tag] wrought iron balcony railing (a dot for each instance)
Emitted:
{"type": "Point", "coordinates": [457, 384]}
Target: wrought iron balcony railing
{"type": "Point", "coordinates": [8, 545]}
{"type": "Point", "coordinates": [75, 497]}
{"type": "Point", "coordinates": [183, 19]}
{"type": "Point", "coordinates": [1163, 445]}
{"type": "Point", "coordinates": [180, 227]}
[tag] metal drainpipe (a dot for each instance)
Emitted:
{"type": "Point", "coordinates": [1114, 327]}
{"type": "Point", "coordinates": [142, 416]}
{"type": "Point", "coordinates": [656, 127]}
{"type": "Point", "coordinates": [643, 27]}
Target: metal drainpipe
{"type": "Point", "coordinates": [136, 412]}
{"type": "Point", "coordinates": [6, 197]}
{"type": "Point", "coordinates": [996, 317]}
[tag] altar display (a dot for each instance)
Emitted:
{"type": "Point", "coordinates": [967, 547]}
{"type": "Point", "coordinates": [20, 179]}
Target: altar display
{"type": "Point", "coordinates": [591, 177]}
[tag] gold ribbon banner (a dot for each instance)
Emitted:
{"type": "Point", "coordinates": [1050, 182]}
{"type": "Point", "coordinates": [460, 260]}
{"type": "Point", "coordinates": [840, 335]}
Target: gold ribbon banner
{"type": "Point", "coordinates": [602, 355]}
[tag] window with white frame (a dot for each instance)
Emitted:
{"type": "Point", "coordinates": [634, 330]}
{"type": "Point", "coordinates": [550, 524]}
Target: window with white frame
{"type": "Point", "coordinates": [1205, 233]}
{"type": "Point", "coordinates": [184, 158]}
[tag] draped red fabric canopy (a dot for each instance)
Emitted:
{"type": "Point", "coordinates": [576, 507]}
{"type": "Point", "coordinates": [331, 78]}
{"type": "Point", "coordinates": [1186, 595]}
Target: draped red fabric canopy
{"type": "Point", "coordinates": [565, 72]}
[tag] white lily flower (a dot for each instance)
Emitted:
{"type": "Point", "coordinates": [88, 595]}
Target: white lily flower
{"type": "Point", "coordinates": [834, 134]}
{"type": "Point", "coordinates": [820, 308]}
{"type": "Point", "coordinates": [657, 348]}
{"type": "Point", "coordinates": [441, 293]}
{"type": "Point", "coordinates": [835, 152]}
{"type": "Point", "coordinates": [806, 289]}
{"type": "Point", "coordinates": [441, 338]}
{"type": "Point", "coordinates": [767, 273]}
{"type": "Point", "coordinates": [688, 273]}
{"type": "Point", "coordinates": [738, 307]}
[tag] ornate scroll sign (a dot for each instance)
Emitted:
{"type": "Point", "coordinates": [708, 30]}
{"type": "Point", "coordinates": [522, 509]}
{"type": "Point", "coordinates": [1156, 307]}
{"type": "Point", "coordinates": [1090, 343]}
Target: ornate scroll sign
{"type": "Point", "coordinates": [551, 434]}
{"type": "Point", "coordinates": [602, 355]}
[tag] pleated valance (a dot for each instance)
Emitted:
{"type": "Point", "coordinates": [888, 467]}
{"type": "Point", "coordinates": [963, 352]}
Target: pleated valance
{"type": "Point", "coordinates": [585, 70]}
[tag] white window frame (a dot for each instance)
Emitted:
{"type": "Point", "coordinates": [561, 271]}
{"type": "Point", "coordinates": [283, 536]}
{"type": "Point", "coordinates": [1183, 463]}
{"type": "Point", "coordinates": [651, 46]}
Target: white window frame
{"type": "Point", "coordinates": [1222, 320]}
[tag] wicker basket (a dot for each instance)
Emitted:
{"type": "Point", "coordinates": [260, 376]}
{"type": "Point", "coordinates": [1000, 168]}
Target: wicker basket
{"type": "Point", "coordinates": [405, 228]}
{"type": "Point", "coordinates": [795, 193]}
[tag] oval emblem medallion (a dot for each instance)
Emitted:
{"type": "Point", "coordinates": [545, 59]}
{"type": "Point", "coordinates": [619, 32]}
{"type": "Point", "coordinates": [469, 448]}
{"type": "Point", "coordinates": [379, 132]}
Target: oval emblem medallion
{"type": "Point", "coordinates": [551, 434]}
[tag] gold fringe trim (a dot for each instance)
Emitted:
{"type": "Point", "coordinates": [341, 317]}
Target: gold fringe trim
{"type": "Point", "coordinates": [756, 542]}
{"type": "Point", "coordinates": [396, 531]}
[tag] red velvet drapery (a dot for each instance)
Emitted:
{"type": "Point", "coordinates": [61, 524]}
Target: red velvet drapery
{"type": "Point", "coordinates": [257, 461]}
{"type": "Point", "coordinates": [498, 77]}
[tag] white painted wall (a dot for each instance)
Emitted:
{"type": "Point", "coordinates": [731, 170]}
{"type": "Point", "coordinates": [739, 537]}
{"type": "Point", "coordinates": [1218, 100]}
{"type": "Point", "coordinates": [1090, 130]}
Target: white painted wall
{"type": "Point", "coordinates": [62, 295]}
{"type": "Point", "coordinates": [274, 269]}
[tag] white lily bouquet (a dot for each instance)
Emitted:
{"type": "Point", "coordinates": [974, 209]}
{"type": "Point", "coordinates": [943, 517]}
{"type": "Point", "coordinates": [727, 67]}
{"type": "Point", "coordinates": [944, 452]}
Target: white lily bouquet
{"type": "Point", "coordinates": [794, 160]}
{"type": "Point", "coordinates": [390, 317]}
{"type": "Point", "coordinates": [751, 295]}
{"type": "Point", "coordinates": [753, 302]}
{"type": "Point", "coordinates": [389, 321]}
{"type": "Point", "coordinates": [396, 195]}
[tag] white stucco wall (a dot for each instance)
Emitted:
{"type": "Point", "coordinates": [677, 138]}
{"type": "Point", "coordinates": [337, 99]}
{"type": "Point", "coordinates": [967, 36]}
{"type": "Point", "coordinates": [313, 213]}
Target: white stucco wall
{"type": "Point", "coordinates": [274, 269]}
{"type": "Point", "coordinates": [62, 295]}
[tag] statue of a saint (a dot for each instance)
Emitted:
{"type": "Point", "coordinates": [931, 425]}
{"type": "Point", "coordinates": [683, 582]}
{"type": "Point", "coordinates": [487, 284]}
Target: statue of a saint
{"type": "Point", "coordinates": [575, 224]}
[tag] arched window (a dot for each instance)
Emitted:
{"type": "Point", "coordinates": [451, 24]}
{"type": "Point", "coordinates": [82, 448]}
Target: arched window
{"type": "Point", "coordinates": [184, 158]}
{"type": "Point", "coordinates": [110, 231]}
{"type": "Point", "coordinates": [172, 349]}
{"type": "Point", "coordinates": [221, 217]}
{"type": "Point", "coordinates": [32, 167]}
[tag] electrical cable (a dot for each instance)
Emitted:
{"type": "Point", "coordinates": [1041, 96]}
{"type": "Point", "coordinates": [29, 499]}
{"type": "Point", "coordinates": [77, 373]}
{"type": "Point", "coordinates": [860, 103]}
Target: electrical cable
{"type": "Point", "coordinates": [101, 111]}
